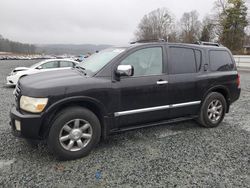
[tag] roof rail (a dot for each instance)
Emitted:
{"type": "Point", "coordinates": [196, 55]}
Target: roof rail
{"type": "Point", "coordinates": [208, 43]}
{"type": "Point", "coordinates": [148, 40]}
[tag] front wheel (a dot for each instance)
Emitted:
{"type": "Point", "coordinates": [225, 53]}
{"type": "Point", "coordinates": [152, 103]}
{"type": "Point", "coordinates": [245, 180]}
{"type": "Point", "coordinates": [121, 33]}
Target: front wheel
{"type": "Point", "coordinates": [74, 133]}
{"type": "Point", "coordinates": [213, 110]}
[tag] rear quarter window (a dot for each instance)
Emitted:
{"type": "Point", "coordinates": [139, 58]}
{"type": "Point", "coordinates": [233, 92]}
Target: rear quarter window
{"type": "Point", "coordinates": [220, 60]}
{"type": "Point", "coordinates": [198, 59]}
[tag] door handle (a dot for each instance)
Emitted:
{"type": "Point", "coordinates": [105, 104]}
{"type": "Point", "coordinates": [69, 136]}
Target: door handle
{"type": "Point", "coordinates": [161, 82]}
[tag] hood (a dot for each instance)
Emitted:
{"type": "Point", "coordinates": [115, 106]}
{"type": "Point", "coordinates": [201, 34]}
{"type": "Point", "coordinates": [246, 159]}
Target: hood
{"type": "Point", "coordinates": [20, 69]}
{"type": "Point", "coordinates": [52, 82]}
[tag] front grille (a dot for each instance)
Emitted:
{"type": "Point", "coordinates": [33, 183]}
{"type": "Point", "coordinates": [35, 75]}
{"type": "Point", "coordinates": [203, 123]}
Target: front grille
{"type": "Point", "coordinates": [17, 94]}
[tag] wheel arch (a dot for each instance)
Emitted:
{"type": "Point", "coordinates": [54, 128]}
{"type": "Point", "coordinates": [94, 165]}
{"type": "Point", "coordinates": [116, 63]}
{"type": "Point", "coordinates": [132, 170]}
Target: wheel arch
{"type": "Point", "coordinates": [222, 90]}
{"type": "Point", "coordinates": [20, 77]}
{"type": "Point", "coordinates": [91, 104]}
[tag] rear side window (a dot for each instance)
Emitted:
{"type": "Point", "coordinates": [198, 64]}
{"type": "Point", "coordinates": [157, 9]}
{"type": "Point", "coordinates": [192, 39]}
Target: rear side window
{"type": "Point", "coordinates": [182, 60]}
{"type": "Point", "coordinates": [66, 64]}
{"type": "Point", "coordinates": [220, 61]}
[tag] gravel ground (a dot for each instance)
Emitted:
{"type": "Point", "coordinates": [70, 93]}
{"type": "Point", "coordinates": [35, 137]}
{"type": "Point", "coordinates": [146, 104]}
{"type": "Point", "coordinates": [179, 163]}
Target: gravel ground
{"type": "Point", "coordinates": [175, 155]}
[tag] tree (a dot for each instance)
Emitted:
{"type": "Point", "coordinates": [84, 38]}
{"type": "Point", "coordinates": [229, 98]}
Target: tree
{"type": "Point", "coordinates": [247, 36]}
{"type": "Point", "coordinates": [190, 27]}
{"type": "Point", "coordinates": [17, 47]}
{"type": "Point", "coordinates": [207, 33]}
{"type": "Point", "coordinates": [234, 22]}
{"type": "Point", "coordinates": [158, 24]}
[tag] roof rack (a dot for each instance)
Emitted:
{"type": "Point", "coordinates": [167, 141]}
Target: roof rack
{"type": "Point", "coordinates": [207, 43]}
{"type": "Point", "coordinates": [146, 41]}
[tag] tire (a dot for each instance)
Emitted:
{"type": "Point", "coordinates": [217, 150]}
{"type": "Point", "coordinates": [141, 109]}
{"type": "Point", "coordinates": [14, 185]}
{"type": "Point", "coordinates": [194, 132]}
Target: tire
{"type": "Point", "coordinates": [74, 124]}
{"type": "Point", "coordinates": [212, 110]}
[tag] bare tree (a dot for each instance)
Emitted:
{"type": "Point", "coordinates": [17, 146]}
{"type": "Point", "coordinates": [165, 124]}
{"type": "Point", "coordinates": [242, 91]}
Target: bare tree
{"type": "Point", "coordinates": [190, 27]}
{"type": "Point", "coordinates": [221, 5]}
{"type": "Point", "coordinates": [208, 30]}
{"type": "Point", "coordinates": [220, 14]}
{"type": "Point", "coordinates": [158, 24]}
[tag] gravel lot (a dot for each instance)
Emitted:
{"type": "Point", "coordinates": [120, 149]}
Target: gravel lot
{"type": "Point", "coordinates": [175, 155]}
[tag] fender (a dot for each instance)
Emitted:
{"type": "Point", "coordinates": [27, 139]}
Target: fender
{"type": "Point", "coordinates": [214, 88]}
{"type": "Point", "coordinates": [48, 114]}
{"type": "Point", "coordinates": [77, 99]}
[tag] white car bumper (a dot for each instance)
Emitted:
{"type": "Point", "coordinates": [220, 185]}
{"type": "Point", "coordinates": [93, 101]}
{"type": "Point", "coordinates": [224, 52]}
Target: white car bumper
{"type": "Point", "coordinates": [11, 80]}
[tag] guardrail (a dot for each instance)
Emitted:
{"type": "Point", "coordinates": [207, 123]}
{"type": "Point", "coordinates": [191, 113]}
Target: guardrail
{"type": "Point", "coordinates": [242, 61]}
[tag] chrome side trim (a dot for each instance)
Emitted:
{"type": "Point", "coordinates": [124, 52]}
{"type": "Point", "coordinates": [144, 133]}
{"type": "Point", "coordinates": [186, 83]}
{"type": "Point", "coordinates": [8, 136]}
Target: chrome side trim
{"type": "Point", "coordinates": [161, 82]}
{"type": "Point", "coordinates": [184, 104]}
{"type": "Point", "coordinates": [141, 110]}
{"type": "Point", "coordinates": [128, 112]}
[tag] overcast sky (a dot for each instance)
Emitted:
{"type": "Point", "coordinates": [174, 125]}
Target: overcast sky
{"type": "Point", "coordinates": [84, 21]}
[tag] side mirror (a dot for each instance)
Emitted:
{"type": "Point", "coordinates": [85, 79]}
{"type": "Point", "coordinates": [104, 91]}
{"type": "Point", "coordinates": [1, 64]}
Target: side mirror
{"type": "Point", "coordinates": [40, 67]}
{"type": "Point", "coordinates": [125, 70]}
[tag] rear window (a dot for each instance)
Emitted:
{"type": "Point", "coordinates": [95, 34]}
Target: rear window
{"type": "Point", "coordinates": [220, 60]}
{"type": "Point", "coordinates": [182, 60]}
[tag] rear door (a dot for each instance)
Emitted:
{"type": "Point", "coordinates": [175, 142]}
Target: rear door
{"type": "Point", "coordinates": [184, 64]}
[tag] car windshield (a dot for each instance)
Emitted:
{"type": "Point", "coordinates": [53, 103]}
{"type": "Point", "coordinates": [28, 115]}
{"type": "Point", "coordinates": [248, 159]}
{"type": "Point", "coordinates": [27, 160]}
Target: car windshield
{"type": "Point", "coordinates": [37, 64]}
{"type": "Point", "coordinates": [97, 61]}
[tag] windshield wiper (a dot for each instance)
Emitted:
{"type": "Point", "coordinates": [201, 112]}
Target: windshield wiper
{"type": "Point", "coordinates": [81, 69]}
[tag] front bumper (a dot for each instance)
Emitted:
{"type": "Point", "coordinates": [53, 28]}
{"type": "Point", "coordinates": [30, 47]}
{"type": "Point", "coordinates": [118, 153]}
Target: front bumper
{"type": "Point", "coordinates": [11, 81]}
{"type": "Point", "coordinates": [29, 127]}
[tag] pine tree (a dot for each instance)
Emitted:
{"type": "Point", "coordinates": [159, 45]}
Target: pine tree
{"type": "Point", "coordinates": [233, 24]}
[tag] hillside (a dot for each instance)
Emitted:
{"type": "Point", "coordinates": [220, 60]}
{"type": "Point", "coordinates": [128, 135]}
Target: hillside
{"type": "Point", "coordinates": [74, 49]}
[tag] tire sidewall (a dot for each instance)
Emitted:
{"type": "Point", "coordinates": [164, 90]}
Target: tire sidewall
{"type": "Point", "coordinates": [64, 117]}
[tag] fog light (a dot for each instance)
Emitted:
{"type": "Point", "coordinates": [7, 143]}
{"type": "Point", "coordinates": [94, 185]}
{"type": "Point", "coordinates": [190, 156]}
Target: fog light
{"type": "Point", "coordinates": [18, 125]}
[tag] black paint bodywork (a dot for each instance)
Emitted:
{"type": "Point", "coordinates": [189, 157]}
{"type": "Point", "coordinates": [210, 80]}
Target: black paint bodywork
{"type": "Point", "coordinates": [105, 94]}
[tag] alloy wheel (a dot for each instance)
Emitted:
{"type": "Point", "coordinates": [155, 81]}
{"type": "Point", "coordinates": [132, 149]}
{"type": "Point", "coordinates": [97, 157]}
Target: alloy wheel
{"type": "Point", "coordinates": [215, 111]}
{"type": "Point", "coordinates": [75, 135]}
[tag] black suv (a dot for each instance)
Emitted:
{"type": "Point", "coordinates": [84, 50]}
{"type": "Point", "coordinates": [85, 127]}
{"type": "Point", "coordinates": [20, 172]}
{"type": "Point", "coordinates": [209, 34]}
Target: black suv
{"type": "Point", "coordinates": [125, 88]}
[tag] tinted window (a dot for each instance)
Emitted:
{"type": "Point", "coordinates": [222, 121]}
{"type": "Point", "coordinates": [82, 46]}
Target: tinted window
{"type": "Point", "coordinates": [182, 60]}
{"type": "Point", "coordinates": [49, 65]}
{"type": "Point", "coordinates": [220, 61]}
{"type": "Point", "coordinates": [147, 61]}
{"type": "Point", "coordinates": [198, 59]}
{"type": "Point", "coordinates": [66, 64]}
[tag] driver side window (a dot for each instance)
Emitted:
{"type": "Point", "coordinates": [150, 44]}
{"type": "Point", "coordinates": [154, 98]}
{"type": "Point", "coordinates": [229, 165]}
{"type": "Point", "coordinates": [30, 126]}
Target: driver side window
{"type": "Point", "coordinates": [146, 61]}
{"type": "Point", "coordinates": [50, 65]}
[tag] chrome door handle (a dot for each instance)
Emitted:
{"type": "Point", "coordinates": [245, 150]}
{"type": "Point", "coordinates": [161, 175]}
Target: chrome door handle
{"type": "Point", "coordinates": [162, 82]}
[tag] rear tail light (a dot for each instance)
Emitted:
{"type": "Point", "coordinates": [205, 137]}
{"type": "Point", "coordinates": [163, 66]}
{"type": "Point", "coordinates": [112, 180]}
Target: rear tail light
{"type": "Point", "coordinates": [238, 81]}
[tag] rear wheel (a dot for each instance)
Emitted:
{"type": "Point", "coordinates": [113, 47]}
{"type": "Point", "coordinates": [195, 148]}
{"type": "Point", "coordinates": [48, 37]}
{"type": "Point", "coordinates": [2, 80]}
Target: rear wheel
{"type": "Point", "coordinates": [74, 133]}
{"type": "Point", "coordinates": [213, 110]}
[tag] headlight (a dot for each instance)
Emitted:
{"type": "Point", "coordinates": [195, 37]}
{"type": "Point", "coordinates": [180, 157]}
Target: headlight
{"type": "Point", "coordinates": [31, 104]}
{"type": "Point", "coordinates": [13, 73]}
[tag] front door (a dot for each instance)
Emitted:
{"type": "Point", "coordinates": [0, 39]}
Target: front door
{"type": "Point", "coordinates": [144, 96]}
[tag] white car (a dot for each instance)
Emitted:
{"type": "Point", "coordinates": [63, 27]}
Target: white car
{"type": "Point", "coordinates": [46, 65]}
